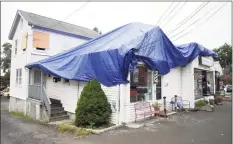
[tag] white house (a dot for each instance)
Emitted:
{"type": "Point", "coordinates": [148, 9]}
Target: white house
{"type": "Point", "coordinates": [36, 37]}
{"type": "Point", "coordinates": [48, 97]}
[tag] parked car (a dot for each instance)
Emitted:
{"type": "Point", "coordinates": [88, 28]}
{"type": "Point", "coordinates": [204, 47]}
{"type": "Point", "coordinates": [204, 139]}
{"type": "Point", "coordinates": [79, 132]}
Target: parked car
{"type": "Point", "coordinates": [6, 92]}
{"type": "Point", "coordinates": [228, 88]}
{"type": "Point", "coordinates": [1, 89]}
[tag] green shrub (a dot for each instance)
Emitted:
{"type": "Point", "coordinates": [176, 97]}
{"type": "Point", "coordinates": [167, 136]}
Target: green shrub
{"type": "Point", "coordinates": [93, 108]}
{"type": "Point", "coordinates": [201, 103]}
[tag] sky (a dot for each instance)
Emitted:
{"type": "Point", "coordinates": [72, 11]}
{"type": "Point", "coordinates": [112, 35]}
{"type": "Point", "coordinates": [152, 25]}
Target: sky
{"type": "Point", "coordinates": [210, 33]}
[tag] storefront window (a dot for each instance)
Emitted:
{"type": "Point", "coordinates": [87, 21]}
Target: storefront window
{"type": "Point", "coordinates": [141, 84]}
{"type": "Point", "coordinates": [203, 83]}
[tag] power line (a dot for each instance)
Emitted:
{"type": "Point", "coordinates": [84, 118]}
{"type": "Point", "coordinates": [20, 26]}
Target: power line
{"type": "Point", "coordinates": [188, 17]}
{"type": "Point", "coordinates": [76, 10]}
{"type": "Point", "coordinates": [193, 23]}
{"type": "Point", "coordinates": [164, 13]}
{"type": "Point", "coordinates": [202, 22]}
{"type": "Point", "coordinates": [173, 9]}
{"type": "Point", "coordinates": [176, 12]}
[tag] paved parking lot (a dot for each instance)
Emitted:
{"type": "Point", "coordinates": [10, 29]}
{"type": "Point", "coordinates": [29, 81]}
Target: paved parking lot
{"type": "Point", "coordinates": [187, 128]}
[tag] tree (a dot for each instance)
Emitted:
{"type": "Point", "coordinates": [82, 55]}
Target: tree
{"type": "Point", "coordinates": [6, 60]}
{"type": "Point", "coordinates": [6, 64]}
{"type": "Point", "coordinates": [97, 30]}
{"type": "Point", "coordinates": [225, 59]}
{"type": "Point", "coordinates": [93, 108]}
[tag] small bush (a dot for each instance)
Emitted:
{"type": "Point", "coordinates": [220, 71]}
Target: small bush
{"type": "Point", "coordinates": [201, 103]}
{"type": "Point", "coordinates": [66, 128]}
{"type": "Point", "coordinates": [73, 130]}
{"type": "Point", "coordinates": [82, 132]}
{"type": "Point", "coordinates": [218, 99]}
{"type": "Point", "coordinates": [93, 108]}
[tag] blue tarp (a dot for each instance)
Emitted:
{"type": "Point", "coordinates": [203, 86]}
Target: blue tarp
{"type": "Point", "coordinates": [109, 57]}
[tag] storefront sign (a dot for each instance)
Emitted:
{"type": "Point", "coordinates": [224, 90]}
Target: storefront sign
{"type": "Point", "coordinates": [206, 61]}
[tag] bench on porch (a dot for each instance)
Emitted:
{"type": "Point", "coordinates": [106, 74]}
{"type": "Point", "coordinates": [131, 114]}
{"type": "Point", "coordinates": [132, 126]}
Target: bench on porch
{"type": "Point", "coordinates": [144, 109]}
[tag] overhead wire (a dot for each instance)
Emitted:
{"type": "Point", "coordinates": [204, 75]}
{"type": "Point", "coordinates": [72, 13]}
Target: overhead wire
{"type": "Point", "coordinates": [197, 10]}
{"type": "Point", "coordinates": [172, 9]}
{"type": "Point", "coordinates": [69, 15]}
{"type": "Point", "coordinates": [175, 13]}
{"type": "Point", "coordinates": [164, 13]}
{"type": "Point", "coordinates": [202, 22]}
{"type": "Point", "coordinates": [199, 20]}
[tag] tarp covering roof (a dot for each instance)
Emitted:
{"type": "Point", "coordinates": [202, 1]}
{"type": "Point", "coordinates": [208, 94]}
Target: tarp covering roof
{"type": "Point", "coordinates": [109, 57]}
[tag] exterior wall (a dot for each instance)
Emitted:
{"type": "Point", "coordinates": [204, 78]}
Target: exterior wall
{"type": "Point", "coordinates": [35, 111]}
{"type": "Point", "coordinates": [171, 83]}
{"type": "Point", "coordinates": [187, 83]}
{"type": "Point", "coordinates": [18, 105]}
{"type": "Point", "coordinates": [19, 60]}
{"type": "Point", "coordinates": [58, 43]}
{"type": "Point", "coordinates": [112, 94]}
{"type": "Point", "coordinates": [67, 93]}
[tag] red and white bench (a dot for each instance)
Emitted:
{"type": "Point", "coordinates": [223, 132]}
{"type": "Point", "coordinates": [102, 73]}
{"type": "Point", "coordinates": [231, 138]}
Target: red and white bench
{"type": "Point", "coordinates": [144, 109]}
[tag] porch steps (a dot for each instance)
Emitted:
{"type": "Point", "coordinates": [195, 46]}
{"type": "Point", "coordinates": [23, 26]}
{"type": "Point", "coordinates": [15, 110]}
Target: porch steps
{"type": "Point", "coordinates": [57, 111]}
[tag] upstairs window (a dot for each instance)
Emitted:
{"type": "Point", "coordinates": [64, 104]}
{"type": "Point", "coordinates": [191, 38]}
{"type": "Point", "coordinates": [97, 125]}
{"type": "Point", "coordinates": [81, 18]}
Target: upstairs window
{"type": "Point", "coordinates": [40, 40]}
{"type": "Point", "coordinates": [18, 77]}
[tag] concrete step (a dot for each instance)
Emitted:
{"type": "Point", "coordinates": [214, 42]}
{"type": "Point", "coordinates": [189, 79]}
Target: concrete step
{"type": "Point", "coordinates": [59, 118]}
{"type": "Point", "coordinates": [55, 101]}
{"type": "Point", "coordinates": [56, 105]}
{"type": "Point", "coordinates": [58, 108]}
{"type": "Point", "coordinates": [58, 113]}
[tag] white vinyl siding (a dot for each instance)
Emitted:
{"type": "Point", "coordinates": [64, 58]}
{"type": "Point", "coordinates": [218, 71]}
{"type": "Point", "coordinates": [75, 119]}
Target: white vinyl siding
{"type": "Point", "coordinates": [16, 46]}
{"type": "Point", "coordinates": [112, 95]}
{"type": "Point", "coordinates": [66, 92]}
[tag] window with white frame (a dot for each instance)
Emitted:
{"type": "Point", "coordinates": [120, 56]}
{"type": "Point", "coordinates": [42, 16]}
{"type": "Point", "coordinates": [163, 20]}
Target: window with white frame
{"type": "Point", "coordinates": [16, 43]}
{"type": "Point", "coordinates": [37, 77]}
{"type": "Point", "coordinates": [18, 77]}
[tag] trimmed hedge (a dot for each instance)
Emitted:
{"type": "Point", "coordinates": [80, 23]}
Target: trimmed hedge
{"type": "Point", "coordinates": [93, 108]}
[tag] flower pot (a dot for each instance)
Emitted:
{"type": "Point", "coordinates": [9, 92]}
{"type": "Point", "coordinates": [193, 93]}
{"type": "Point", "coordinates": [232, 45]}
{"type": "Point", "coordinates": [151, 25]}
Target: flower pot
{"type": "Point", "coordinates": [156, 109]}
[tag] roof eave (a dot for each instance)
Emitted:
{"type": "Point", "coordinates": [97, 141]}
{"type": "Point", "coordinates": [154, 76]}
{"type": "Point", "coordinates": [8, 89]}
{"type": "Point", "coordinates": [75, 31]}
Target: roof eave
{"type": "Point", "coordinates": [14, 25]}
{"type": "Point", "coordinates": [61, 32]}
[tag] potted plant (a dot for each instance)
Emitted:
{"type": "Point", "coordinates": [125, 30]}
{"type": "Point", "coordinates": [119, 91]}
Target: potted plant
{"type": "Point", "coordinates": [156, 106]}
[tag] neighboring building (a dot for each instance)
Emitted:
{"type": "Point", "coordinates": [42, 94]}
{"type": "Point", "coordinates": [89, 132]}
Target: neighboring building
{"type": "Point", "coordinates": [36, 37]}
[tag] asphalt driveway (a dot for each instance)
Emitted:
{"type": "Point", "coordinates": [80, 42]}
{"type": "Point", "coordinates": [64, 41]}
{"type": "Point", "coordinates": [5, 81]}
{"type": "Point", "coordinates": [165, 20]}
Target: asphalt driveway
{"type": "Point", "coordinates": [187, 128]}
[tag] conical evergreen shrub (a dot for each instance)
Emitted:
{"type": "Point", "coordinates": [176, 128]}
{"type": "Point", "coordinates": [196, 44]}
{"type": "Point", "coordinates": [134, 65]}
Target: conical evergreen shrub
{"type": "Point", "coordinates": [93, 108]}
